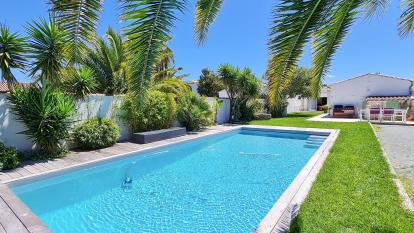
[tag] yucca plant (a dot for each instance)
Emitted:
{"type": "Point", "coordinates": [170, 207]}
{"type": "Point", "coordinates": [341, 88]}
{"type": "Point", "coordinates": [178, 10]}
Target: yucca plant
{"type": "Point", "coordinates": [12, 54]}
{"type": "Point", "coordinates": [80, 82]}
{"type": "Point", "coordinates": [46, 113]}
{"type": "Point", "coordinates": [48, 50]}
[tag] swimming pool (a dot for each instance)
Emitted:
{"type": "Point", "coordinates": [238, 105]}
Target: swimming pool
{"type": "Point", "coordinates": [221, 183]}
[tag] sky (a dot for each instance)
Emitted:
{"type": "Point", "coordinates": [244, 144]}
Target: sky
{"type": "Point", "coordinates": [240, 34]}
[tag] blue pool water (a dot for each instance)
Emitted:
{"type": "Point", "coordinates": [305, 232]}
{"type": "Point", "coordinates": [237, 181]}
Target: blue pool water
{"type": "Point", "coordinates": [221, 183]}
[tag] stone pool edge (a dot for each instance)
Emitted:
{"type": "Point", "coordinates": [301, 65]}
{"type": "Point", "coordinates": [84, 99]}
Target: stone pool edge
{"type": "Point", "coordinates": [296, 191]}
{"type": "Point", "coordinates": [279, 217]}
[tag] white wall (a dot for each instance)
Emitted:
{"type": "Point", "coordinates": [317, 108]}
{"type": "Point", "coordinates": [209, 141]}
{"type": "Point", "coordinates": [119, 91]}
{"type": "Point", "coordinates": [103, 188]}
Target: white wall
{"type": "Point", "coordinates": [354, 91]}
{"type": "Point", "coordinates": [93, 106]}
{"type": "Point", "coordinates": [10, 128]}
{"type": "Point", "coordinates": [224, 113]}
{"type": "Point", "coordinates": [300, 105]}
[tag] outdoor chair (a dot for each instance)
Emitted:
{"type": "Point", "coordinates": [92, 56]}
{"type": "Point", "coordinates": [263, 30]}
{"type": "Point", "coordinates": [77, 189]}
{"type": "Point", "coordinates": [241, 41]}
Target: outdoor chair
{"type": "Point", "coordinates": [375, 113]}
{"type": "Point", "coordinates": [401, 114]}
{"type": "Point", "coordinates": [388, 113]}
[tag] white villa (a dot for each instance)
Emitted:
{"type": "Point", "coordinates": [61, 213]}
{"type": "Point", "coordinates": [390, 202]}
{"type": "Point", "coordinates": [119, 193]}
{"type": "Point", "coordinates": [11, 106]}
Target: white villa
{"type": "Point", "coordinates": [356, 91]}
{"type": "Point", "coordinates": [367, 90]}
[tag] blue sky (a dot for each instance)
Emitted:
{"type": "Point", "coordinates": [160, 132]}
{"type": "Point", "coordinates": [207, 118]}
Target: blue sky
{"type": "Point", "coordinates": [239, 37]}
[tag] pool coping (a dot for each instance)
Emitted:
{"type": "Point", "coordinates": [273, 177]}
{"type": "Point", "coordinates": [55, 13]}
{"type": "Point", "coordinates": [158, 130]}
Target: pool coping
{"type": "Point", "coordinates": [287, 206]}
{"type": "Point", "coordinates": [293, 195]}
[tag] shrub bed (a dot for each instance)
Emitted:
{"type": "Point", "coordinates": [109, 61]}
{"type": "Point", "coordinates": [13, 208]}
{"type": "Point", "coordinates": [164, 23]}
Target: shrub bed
{"type": "Point", "coordinates": [96, 133]}
{"type": "Point", "coordinates": [8, 157]}
{"type": "Point", "coordinates": [158, 111]}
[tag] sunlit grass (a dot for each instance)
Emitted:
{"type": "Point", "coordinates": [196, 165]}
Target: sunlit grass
{"type": "Point", "coordinates": [354, 191]}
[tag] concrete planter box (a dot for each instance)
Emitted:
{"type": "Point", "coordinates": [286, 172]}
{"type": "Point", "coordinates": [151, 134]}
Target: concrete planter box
{"type": "Point", "coordinates": [158, 135]}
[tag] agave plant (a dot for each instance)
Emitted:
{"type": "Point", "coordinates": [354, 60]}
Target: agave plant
{"type": "Point", "coordinates": [46, 112]}
{"type": "Point", "coordinates": [108, 60]}
{"type": "Point", "coordinates": [12, 54]}
{"type": "Point", "coordinates": [47, 50]}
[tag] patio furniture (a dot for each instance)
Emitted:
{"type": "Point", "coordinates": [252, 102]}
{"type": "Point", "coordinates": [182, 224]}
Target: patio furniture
{"type": "Point", "coordinates": [345, 112]}
{"type": "Point", "coordinates": [376, 113]}
{"type": "Point", "coordinates": [388, 113]}
{"type": "Point", "coordinates": [401, 114]}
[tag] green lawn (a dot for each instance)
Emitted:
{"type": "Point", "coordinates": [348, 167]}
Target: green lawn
{"type": "Point", "coordinates": [354, 191]}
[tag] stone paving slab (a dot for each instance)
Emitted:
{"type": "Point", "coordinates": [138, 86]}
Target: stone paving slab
{"type": "Point", "coordinates": [398, 143]}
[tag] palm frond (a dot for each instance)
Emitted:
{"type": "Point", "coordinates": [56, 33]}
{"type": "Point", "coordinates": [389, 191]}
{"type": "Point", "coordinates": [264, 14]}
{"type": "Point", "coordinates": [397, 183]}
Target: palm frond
{"type": "Point", "coordinates": [47, 50]}
{"type": "Point", "coordinates": [294, 22]}
{"type": "Point", "coordinates": [149, 24]}
{"type": "Point", "coordinates": [12, 54]}
{"type": "Point", "coordinates": [206, 13]}
{"type": "Point", "coordinates": [328, 39]}
{"type": "Point", "coordinates": [406, 24]}
{"type": "Point", "coordinates": [108, 60]}
{"type": "Point", "coordinates": [375, 8]}
{"type": "Point", "coordinates": [80, 18]}
{"type": "Point", "coordinates": [172, 85]}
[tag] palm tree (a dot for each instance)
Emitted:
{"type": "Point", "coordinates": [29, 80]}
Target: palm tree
{"type": "Point", "coordinates": [80, 18]}
{"type": "Point", "coordinates": [164, 67]}
{"type": "Point", "coordinates": [12, 54]}
{"type": "Point", "coordinates": [108, 60]}
{"type": "Point", "coordinates": [295, 23]}
{"type": "Point", "coordinates": [80, 82]}
{"type": "Point", "coordinates": [47, 47]}
{"type": "Point", "coordinates": [148, 25]}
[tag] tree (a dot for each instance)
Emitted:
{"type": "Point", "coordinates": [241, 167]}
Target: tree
{"type": "Point", "coordinates": [149, 23]}
{"type": "Point", "coordinates": [248, 88]}
{"type": "Point", "coordinates": [209, 83]}
{"type": "Point", "coordinates": [47, 47]}
{"type": "Point", "coordinates": [80, 82]}
{"type": "Point", "coordinates": [229, 75]}
{"type": "Point", "coordinates": [108, 61]}
{"type": "Point", "coordinates": [299, 85]}
{"type": "Point", "coordinates": [12, 50]}
{"type": "Point", "coordinates": [165, 68]}
{"type": "Point", "coordinates": [240, 86]}
{"type": "Point", "coordinates": [295, 23]}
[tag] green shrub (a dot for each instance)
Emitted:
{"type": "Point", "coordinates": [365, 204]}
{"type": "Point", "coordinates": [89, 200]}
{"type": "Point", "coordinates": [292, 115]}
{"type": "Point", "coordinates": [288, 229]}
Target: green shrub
{"type": "Point", "coordinates": [158, 111]}
{"type": "Point", "coordinates": [193, 112]}
{"type": "Point", "coordinates": [46, 112]}
{"type": "Point", "coordinates": [96, 133]}
{"type": "Point", "coordinates": [325, 108]}
{"type": "Point", "coordinates": [8, 157]}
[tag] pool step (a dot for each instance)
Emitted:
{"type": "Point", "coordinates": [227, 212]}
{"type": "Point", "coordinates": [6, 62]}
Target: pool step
{"type": "Point", "coordinates": [315, 141]}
